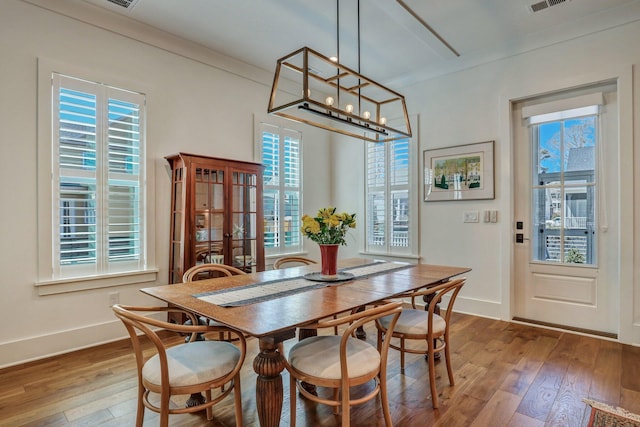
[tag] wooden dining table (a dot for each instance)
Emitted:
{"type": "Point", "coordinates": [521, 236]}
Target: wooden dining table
{"type": "Point", "coordinates": [272, 305]}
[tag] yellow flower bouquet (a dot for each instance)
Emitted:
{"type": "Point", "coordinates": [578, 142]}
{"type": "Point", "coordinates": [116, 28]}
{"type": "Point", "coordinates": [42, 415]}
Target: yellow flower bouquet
{"type": "Point", "coordinates": [328, 227]}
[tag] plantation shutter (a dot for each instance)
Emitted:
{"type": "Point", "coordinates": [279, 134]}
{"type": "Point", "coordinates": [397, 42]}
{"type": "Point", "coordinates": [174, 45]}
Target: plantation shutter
{"type": "Point", "coordinates": [376, 189]}
{"type": "Point", "coordinates": [282, 160]}
{"type": "Point", "coordinates": [125, 181]}
{"type": "Point", "coordinates": [388, 202]}
{"type": "Point", "coordinates": [292, 214]}
{"type": "Point", "coordinates": [98, 190]}
{"type": "Point", "coordinates": [399, 188]}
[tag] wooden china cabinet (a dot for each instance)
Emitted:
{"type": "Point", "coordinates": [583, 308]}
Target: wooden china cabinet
{"type": "Point", "coordinates": [216, 214]}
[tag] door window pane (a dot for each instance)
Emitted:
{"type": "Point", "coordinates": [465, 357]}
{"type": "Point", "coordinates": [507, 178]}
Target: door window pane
{"type": "Point", "coordinates": [564, 189]}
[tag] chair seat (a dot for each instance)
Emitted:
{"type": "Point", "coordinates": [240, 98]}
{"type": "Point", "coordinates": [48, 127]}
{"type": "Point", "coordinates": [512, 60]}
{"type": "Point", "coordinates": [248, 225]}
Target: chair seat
{"type": "Point", "coordinates": [415, 322]}
{"type": "Point", "coordinates": [320, 357]}
{"type": "Point", "coordinates": [194, 363]}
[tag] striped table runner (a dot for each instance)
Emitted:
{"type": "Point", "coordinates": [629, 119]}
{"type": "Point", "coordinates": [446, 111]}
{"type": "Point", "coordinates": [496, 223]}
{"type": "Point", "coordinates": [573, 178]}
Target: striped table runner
{"type": "Point", "coordinates": [263, 291]}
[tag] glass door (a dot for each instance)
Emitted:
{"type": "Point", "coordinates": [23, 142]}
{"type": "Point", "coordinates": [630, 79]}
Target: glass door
{"type": "Point", "coordinates": [244, 220]}
{"type": "Point", "coordinates": [208, 223]}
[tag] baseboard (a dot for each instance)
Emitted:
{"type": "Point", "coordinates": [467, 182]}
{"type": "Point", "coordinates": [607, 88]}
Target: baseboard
{"type": "Point", "coordinates": [609, 335]}
{"type": "Point", "coordinates": [477, 307]}
{"type": "Point", "coordinates": [43, 346]}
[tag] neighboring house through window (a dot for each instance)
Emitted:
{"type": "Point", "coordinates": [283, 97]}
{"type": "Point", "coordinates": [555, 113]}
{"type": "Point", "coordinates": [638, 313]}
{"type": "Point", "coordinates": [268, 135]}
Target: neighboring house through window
{"type": "Point", "coordinates": [281, 155]}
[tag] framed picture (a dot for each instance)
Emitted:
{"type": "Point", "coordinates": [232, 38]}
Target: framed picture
{"type": "Point", "coordinates": [462, 172]}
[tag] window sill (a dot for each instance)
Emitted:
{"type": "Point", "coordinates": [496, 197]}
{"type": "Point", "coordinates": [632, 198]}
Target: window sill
{"type": "Point", "coordinates": [60, 286]}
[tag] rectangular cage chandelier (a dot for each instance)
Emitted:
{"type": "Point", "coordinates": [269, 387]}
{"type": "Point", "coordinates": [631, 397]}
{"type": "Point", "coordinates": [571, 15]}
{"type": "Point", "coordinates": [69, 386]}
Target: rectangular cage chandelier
{"type": "Point", "coordinates": [311, 88]}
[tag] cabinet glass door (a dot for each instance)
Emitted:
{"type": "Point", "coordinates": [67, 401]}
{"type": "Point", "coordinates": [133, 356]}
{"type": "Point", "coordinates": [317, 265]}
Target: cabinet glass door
{"type": "Point", "coordinates": [209, 216]}
{"type": "Point", "coordinates": [177, 213]}
{"type": "Point", "coordinates": [244, 220]}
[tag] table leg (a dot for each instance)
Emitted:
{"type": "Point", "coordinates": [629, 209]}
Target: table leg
{"type": "Point", "coordinates": [360, 332]}
{"type": "Point", "coordinates": [268, 364]}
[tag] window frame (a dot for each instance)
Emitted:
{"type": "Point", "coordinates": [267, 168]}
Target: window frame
{"type": "Point", "coordinates": [411, 251]}
{"type": "Point", "coordinates": [50, 280]}
{"type": "Point", "coordinates": [282, 188]}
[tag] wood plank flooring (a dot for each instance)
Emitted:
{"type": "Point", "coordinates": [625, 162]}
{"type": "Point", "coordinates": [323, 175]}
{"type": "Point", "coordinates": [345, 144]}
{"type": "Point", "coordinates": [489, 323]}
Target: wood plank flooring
{"type": "Point", "coordinates": [506, 374]}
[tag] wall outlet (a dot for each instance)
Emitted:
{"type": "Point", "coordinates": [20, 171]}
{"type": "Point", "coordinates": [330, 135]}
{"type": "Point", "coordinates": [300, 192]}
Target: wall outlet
{"type": "Point", "coordinates": [471, 216]}
{"type": "Point", "coordinates": [494, 216]}
{"type": "Point", "coordinates": [114, 298]}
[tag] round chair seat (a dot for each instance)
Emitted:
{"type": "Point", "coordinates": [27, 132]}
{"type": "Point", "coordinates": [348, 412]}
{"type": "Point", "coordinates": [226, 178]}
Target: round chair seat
{"type": "Point", "coordinates": [194, 363]}
{"type": "Point", "coordinates": [415, 322]}
{"type": "Point", "coordinates": [320, 357]}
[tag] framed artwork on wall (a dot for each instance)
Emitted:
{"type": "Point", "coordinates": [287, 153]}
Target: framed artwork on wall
{"type": "Point", "coordinates": [461, 172]}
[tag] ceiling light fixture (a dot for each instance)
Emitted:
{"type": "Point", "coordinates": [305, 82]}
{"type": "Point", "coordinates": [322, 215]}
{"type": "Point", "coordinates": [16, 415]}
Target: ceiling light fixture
{"type": "Point", "coordinates": [311, 88]}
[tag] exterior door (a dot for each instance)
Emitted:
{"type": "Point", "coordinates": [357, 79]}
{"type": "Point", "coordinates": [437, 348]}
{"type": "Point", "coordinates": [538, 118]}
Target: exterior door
{"type": "Point", "coordinates": [566, 240]}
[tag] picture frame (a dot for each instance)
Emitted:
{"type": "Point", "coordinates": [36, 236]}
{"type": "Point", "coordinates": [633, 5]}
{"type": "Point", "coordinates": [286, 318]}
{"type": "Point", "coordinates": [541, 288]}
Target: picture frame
{"type": "Point", "coordinates": [461, 172]}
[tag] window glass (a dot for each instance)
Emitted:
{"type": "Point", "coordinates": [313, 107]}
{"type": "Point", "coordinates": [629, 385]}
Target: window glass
{"type": "Point", "coordinates": [564, 190]}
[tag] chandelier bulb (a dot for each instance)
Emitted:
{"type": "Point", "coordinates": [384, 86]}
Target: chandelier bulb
{"type": "Point", "coordinates": [366, 115]}
{"type": "Point", "coordinates": [329, 101]}
{"type": "Point", "coordinates": [383, 121]}
{"type": "Point", "coordinates": [348, 108]}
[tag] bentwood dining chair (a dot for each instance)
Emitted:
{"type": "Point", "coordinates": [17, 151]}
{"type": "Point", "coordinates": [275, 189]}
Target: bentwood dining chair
{"type": "Point", "coordinates": [184, 369]}
{"type": "Point", "coordinates": [292, 261]}
{"type": "Point", "coordinates": [209, 271]}
{"type": "Point", "coordinates": [342, 362]}
{"type": "Point", "coordinates": [418, 324]}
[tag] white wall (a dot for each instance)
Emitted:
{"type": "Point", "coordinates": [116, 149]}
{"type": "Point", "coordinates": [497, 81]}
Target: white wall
{"type": "Point", "coordinates": [473, 106]}
{"type": "Point", "coordinates": [204, 106]}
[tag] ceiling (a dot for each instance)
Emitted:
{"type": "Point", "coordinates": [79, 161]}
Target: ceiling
{"type": "Point", "coordinates": [401, 41]}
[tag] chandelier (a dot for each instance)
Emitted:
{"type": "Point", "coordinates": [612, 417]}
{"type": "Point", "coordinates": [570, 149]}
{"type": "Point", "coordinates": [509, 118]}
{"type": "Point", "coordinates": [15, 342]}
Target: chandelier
{"type": "Point", "coordinates": [311, 88]}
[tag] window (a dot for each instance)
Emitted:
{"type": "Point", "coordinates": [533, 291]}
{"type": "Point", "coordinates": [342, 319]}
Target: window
{"type": "Point", "coordinates": [98, 191]}
{"type": "Point", "coordinates": [390, 197]}
{"type": "Point", "coordinates": [282, 159]}
{"type": "Point", "coordinates": [564, 186]}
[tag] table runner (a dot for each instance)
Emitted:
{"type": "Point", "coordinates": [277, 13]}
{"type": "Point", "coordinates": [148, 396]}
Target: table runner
{"type": "Point", "coordinates": [263, 291]}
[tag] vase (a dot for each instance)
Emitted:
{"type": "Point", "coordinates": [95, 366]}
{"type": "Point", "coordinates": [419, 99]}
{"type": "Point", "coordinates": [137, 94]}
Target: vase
{"type": "Point", "coordinates": [329, 260]}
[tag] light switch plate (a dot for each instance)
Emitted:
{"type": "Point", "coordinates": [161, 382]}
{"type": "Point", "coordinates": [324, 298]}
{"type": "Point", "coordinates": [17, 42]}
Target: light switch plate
{"type": "Point", "coordinates": [471, 216]}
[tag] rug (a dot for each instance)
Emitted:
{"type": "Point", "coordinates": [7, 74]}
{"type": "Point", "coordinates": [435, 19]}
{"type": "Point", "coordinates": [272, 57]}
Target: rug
{"type": "Point", "coordinates": [603, 415]}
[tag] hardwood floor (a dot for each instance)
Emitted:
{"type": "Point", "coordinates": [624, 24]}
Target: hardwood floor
{"type": "Point", "coordinates": [506, 375]}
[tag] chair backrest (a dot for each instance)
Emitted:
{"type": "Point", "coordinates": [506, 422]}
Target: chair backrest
{"type": "Point", "coordinates": [209, 271]}
{"type": "Point", "coordinates": [360, 318]}
{"type": "Point", "coordinates": [451, 287]}
{"type": "Point", "coordinates": [292, 261]}
{"type": "Point", "coordinates": [208, 254]}
{"type": "Point", "coordinates": [135, 323]}
{"type": "Point", "coordinates": [190, 378]}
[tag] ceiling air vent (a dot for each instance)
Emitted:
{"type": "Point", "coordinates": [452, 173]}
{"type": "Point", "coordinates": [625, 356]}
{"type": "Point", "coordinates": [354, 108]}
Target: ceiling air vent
{"type": "Point", "coordinates": [544, 4]}
{"type": "Point", "coordinates": [127, 4]}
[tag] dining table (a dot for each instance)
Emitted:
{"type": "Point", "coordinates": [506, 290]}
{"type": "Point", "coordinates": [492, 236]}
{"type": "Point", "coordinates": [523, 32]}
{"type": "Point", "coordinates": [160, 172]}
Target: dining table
{"type": "Point", "coordinates": [272, 305]}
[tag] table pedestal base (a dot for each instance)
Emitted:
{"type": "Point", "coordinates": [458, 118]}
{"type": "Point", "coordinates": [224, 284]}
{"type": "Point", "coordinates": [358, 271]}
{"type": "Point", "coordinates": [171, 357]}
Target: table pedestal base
{"type": "Point", "coordinates": [269, 364]}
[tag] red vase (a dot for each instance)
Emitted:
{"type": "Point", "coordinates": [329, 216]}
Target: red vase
{"type": "Point", "coordinates": [329, 260]}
